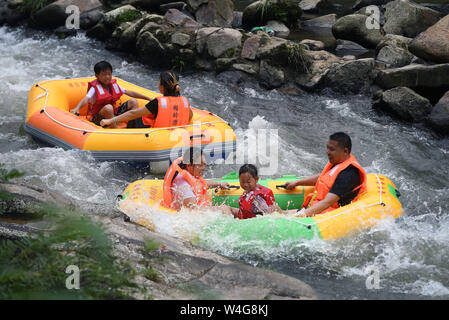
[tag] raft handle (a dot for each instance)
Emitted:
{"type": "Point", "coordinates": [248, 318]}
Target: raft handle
{"type": "Point", "coordinates": [197, 136]}
{"type": "Point", "coordinates": [230, 187]}
{"type": "Point", "coordinates": [281, 186]}
{"type": "Point", "coordinates": [397, 192]}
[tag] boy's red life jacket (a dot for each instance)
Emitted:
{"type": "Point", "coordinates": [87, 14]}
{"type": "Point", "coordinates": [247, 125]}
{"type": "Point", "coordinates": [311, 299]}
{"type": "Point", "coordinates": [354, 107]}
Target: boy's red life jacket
{"type": "Point", "coordinates": [327, 179]}
{"type": "Point", "coordinates": [103, 96]}
{"type": "Point", "coordinates": [172, 111]}
{"type": "Point", "coordinates": [246, 202]}
{"type": "Point", "coordinates": [199, 186]}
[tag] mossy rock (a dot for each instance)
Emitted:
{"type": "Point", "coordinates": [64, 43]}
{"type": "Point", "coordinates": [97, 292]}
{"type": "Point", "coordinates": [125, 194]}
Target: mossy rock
{"type": "Point", "coordinates": [260, 12]}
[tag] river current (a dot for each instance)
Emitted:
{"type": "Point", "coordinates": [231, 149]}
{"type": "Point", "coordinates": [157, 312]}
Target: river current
{"type": "Point", "coordinates": [409, 254]}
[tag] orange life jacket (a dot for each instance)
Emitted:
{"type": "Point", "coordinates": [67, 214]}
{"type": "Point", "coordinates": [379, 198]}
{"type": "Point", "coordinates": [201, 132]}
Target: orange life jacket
{"type": "Point", "coordinates": [198, 185]}
{"type": "Point", "coordinates": [104, 97]}
{"type": "Point", "coordinates": [172, 111]}
{"type": "Point", "coordinates": [327, 179]}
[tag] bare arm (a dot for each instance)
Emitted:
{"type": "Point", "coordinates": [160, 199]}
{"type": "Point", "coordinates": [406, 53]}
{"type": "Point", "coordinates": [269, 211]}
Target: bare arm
{"type": "Point", "coordinates": [309, 181]}
{"type": "Point", "coordinates": [322, 205]}
{"type": "Point", "coordinates": [80, 104]}
{"type": "Point", "coordinates": [136, 95]}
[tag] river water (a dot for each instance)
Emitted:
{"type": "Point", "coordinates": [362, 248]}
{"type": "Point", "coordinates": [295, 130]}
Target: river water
{"type": "Point", "coordinates": [410, 254]}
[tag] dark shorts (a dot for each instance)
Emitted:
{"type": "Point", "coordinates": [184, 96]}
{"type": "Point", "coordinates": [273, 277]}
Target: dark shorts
{"type": "Point", "coordinates": [120, 110]}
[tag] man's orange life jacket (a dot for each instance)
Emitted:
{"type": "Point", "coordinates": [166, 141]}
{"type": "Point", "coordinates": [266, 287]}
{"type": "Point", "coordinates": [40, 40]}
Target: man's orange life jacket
{"type": "Point", "coordinates": [103, 96]}
{"type": "Point", "coordinates": [172, 111]}
{"type": "Point", "coordinates": [327, 179]}
{"type": "Point", "coordinates": [199, 186]}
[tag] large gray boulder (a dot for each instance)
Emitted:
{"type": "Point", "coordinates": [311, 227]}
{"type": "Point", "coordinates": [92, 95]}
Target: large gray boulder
{"type": "Point", "coordinates": [262, 11]}
{"type": "Point", "coordinates": [415, 76]}
{"type": "Point", "coordinates": [216, 13]}
{"type": "Point", "coordinates": [10, 12]}
{"type": "Point", "coordinates": [319, 62]}
{"type": "Point", "coordinates": [180, 20]}
{"type": "Point", "coordinates": [405, 103]}
{"type": "Point", "coordinates": [54, 14]}
{"type": "Point", "coordinates": [270, 76]}
{"type": "Point", "coordinates": [353, 27]}
{"type": "Point", "coordinates": [326, 21]}
{"type": "Point", "coordinates": [393, 51]}
{"type": "Point", "coordinates": [351, 77]}
{"type": "Point", "coordinates": [218, 42]}
{"type": "Point", "coordinates": [314, 6]}
{"type": "Point", "coordinates": [150, 4]}
{"type": "Point", "coordinates": [433, 44]}
{"type": "Point", "coordinates": [439, 118]}
{"type": "Point", "coordinates": [407, 18]}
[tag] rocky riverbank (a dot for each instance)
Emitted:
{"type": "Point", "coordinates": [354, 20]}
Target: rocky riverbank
{"type": "Point", "coordinates": [179, 270]}
{"type": "Point", "coordinates": [410, 43]}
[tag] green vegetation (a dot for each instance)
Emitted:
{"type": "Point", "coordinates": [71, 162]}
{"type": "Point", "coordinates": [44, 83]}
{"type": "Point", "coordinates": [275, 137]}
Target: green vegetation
{"type": "Point", "coordinates": [285, 11]}
{"type": "Point", "coordinates": [149, 249]}
{"type": "Point", "coordinates": [296, 56]}
{"type": "Point", "coordinates": [5, 176]}
{"type": "Point", "coordinates": [35, 268]}
{"type": "Point", "coordinates": [126, 16]}
{"type": "Point", "coordinates": [178, 64]}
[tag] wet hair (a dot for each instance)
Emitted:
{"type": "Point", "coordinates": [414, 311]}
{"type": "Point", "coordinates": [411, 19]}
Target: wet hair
{"type": "Point", "coordinates": [191, 156]}
{"type": "Point", "coordinates": [343, 140]}
{"type": "Point", "coordinates": [249, 168]}
{"type": "Point", "coordinates": [170, 81]}
{"type": "Point", "coordinates": [102, 66]}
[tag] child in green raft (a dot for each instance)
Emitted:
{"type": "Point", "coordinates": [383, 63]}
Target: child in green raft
{"type": "Point", "coordinates": [256, 199]}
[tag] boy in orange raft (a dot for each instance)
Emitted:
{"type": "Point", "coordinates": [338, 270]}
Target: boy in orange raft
{"type": "Point", "coordinates": [104, 93]}
{"type": "Point", "coordinates": [256, 199]}
{"type": "Point", "coordinates": [169, 110]}
{"type": "Point", "coordinates": [342, 180]}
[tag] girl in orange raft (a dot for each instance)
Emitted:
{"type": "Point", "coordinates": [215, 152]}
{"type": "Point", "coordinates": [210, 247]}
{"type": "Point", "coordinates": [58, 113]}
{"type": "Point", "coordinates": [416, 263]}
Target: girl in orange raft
{"type": "Point", "coordinates": [256, 199]}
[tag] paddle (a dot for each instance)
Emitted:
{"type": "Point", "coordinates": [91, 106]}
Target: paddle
{"type": "Point", "coordinates": [227, 188]}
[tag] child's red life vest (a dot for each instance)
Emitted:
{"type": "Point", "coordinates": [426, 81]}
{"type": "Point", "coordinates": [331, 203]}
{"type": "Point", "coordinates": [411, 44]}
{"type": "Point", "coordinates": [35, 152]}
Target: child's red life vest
{"type": "Point", "coordinates": [246, 202]}
{"type": "Point", "coordinates": [103, 96]}
{"type": "Point", "coordinates": [199, 186]}
{"type": "Point", "coordinates": [172, 111]}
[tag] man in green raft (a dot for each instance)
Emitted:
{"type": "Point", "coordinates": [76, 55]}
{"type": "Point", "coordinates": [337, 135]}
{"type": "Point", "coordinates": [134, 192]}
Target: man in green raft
{"type": "Point", "coordinates": [341, 181]}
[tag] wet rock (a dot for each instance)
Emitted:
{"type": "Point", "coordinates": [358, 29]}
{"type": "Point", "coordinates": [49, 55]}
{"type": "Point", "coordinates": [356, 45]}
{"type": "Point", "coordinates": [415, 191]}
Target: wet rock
{"type": "Point", "coordinates": [260, 12]}
{"type": "Point", "coordinates": [439, 117]}
{"type": "Point", "coordinates": [315, 6]}
{"type": "Point", "coordinates": [346, 47]}
{"type": "Point", "coordinates": [10, 14]}
{"type": "Point", "coordinates": [187, 271]}
{"type": "Point", "coordinates": [151, 50]}
{"type": "Point", "coordinates": [313, 45]}
{"type": "Point", "coordinates": [351, 77]}
{"type": "Point", "coordinates": [393, 51]}
{"type": "Point", "coordinates": [181, 39]}
{"type": "Point", "coordinates": [181, 6]}
{"type": "Point", "coordinates": [407, 18]}
{"type": "Point", "coordinates": [150, 4]}
{"type": "Point", "coordinates": [250, 47]}
{"type": "Point", "coordinates": [218, 42]}
{"type": "Point", "coordinates": [115, 17]}
{"type": "Point", "coordinates": [353, 27]}
{"type": "Point", "coordinates": [363, 3]}
{"type": "Point", "coordinates": [180, 20]}
{"type": "Point", "coordinates": [248, 68]}
{"type": "Point", "coordinates": [280, 29]}
{"type": "Point", "coordinates": [203, 64]}
{"type": "Point", "coordinates": [319, 63]}
{"type": "Point", "coordinates": [415, 76]}
{"type": "Point", "coordinates": [91, 18]}
{"type": "Point", "coordinates": [326, 21]}
{"type": "Point", "coordinates": [100, 31]}
{"type": "Point", "coordinates": [433, 44]}
{"type": "Point", "coordinates": [218, 13]}
{"type": "Point", "coordinates": [195, 4]}
{"type": "Point", "coordinates": [54, 14]}
{"type": "Point", "coordinates": [128, 37]}
{"type": "Point", "coordinates": [63, 32]}
{"type": "Point", "coordinates": [270, 76]}
{"type": "Point", "coordinates": [404, 103]}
